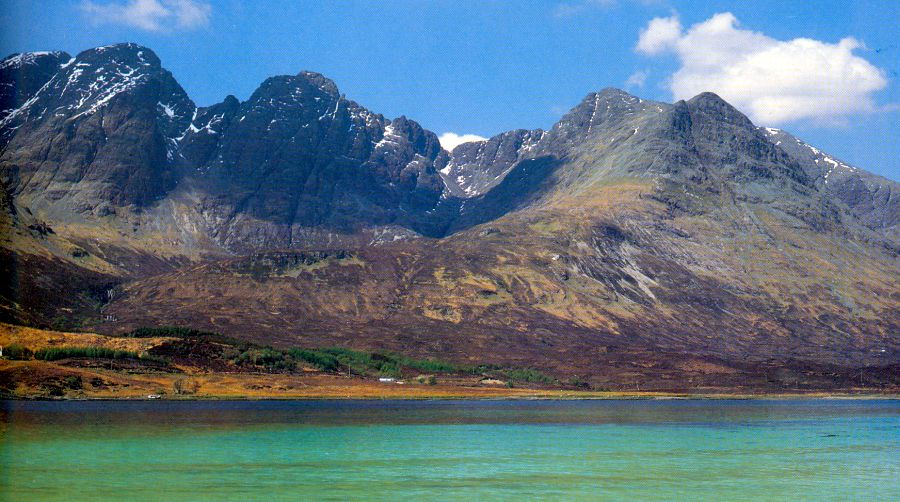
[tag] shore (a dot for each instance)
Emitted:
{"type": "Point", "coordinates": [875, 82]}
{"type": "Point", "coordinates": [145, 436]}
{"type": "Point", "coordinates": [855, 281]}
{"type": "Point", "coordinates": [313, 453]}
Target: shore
{"type": "Point", "coordinates": [36, 380]}
{"type": "Point", "coordinates": [106, 379]}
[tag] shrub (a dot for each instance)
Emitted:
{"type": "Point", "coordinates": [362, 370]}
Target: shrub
{"type": "Point", "coordinates": [17, 352]}
{"type": "Point", "coordinates": [65, 323]}
{"type": "Point", "coordinates": [267, 357]}
{"type": "Point", "coordinates": [527, 375]}
{"type": "Point", "coordinates": [430, 365]}
{"type": "Point", "coordinates": [427, 379]}
{"type": "Point", "coordinates": [578, 382]}
{"type": "Point", "coordinates": [180, 332]}
{"type": "Point", "coordinates": [162, 331]}
{"type": "Point", "coordinates": [321, 360]}
{"type": "Point", "coordinates": [185, 386]}
{"type": "Point", "coordinates": [144, 356]}
{"type": "Point", "coordinates": [73, 382]}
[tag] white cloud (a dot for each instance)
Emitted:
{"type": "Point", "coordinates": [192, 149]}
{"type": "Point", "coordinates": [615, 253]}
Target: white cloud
{"type": "Point", "coordinates": [773, 81]}
{"type": "Point", "coordinates": [149, 15]}
{"type": "Point", "coordinates": [660, 34]}
{"type": "Point", "coordinates": [450, 140]}
{"type": "Point", "coordinates": [637, 79]}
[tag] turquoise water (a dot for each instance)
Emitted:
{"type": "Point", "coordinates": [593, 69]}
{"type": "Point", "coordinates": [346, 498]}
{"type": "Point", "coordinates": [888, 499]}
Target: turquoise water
{"type": "Point", "coordinates": [450, 450]}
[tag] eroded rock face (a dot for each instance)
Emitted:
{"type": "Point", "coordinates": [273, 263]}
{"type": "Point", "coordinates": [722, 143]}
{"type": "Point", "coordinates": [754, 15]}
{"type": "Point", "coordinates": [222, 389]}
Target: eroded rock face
{"type": "Point", "coordinates": [111, 129]}
{"type": "Point", "coordinates": [299, 155]}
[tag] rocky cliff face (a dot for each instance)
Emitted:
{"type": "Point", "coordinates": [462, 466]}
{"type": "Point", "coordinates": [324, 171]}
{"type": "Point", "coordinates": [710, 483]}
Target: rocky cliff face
{"type": "Point", "coordinates": [299, 155]}
{"type": "Point", "coordinates": [476, 167]}
{"type": "Point", "coordinates": [98, 134]}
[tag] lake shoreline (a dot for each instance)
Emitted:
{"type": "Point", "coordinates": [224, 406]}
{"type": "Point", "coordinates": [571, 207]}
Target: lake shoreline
{"type": "Point", "coordinates": [537, 396]}
{"type": "Point", "coordinates": [195, 376]}
{"type": "Point", "coordinates": [43, 380]}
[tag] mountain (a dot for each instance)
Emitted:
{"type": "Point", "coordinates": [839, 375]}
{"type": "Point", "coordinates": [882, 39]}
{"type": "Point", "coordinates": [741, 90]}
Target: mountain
{"type": "Point", "coordinates": [874, 200]}
{"type": "Point", "coordinates": [298, 157]}
{"type": "Point", "coordinates": [476, 167]}
{"type": "Point", "coordinates": [23, 75]}
{"type": "Point", "coordinates": [97, 133]}
{"type": "Point", "coordinates": [634, 243]}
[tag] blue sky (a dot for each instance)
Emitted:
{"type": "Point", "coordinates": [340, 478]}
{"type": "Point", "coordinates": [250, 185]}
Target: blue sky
{"type": "Point", "coordinates": [481, 67]}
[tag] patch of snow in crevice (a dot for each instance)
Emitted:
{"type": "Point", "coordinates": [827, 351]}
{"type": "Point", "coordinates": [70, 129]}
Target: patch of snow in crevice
{"type": "Point", "coordinates": [389, 136]}
{"type": "Point", "coordinates": [166, 109]}
{"type": "Point", "coordinates": [594, 113]}
{"type": "Point", "coordinates": [103, 99]}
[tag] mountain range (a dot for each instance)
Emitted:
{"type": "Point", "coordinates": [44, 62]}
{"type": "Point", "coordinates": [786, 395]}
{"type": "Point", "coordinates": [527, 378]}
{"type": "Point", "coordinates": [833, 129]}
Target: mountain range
{"type": "Point", "coordinates": [635, 243]}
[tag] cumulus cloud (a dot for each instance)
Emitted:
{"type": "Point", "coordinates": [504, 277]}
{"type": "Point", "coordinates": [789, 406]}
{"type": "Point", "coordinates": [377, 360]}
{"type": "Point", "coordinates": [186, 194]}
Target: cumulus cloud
{"type": "Point", "coordinates": [660, 34]}
{"type": "Point", "coordinates": [149, 15]}
{"type": "Point", "coordinates": [450, 140]}
{"type": "Point", "coordinates": [637, 79]}
{"type": "Point", "coordinates": [773, 81]}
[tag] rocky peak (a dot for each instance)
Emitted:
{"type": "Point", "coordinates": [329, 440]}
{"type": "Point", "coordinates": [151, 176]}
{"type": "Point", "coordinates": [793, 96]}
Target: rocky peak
{"type": "Point", "coordinates": [113, 116]}
{"type": "Point", "coordinates": [299, 154]}
{"type": "Point", "coordinates": [422, 140]}
{"type": "Point", "coordinates": [124, 54]}
{"type": "Point", "coordinates": [708, 104]}
{"type": "Point", "coordinates": [304, 86]}
{"type": "Point", "coordinates": [478, 166]}
{"type": "Point", "coordinates": [97, 77]}
{"type": "Point", "coordinates": [597, 112]}
{"type": "Point", "coordinates": [204, 134]}
{"type": "Point", "coordinates": [19, 60]}
{"type": "Point", "coordinates": [727, 140]}
{"type": "Point", "coordinates": [23, 74]}
{"type": "Point", "coordinates": [324, 83]}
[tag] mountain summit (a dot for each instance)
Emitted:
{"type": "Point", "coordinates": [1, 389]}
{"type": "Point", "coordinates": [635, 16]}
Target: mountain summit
{"type": "Point", "coordinates": [675, 244]}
